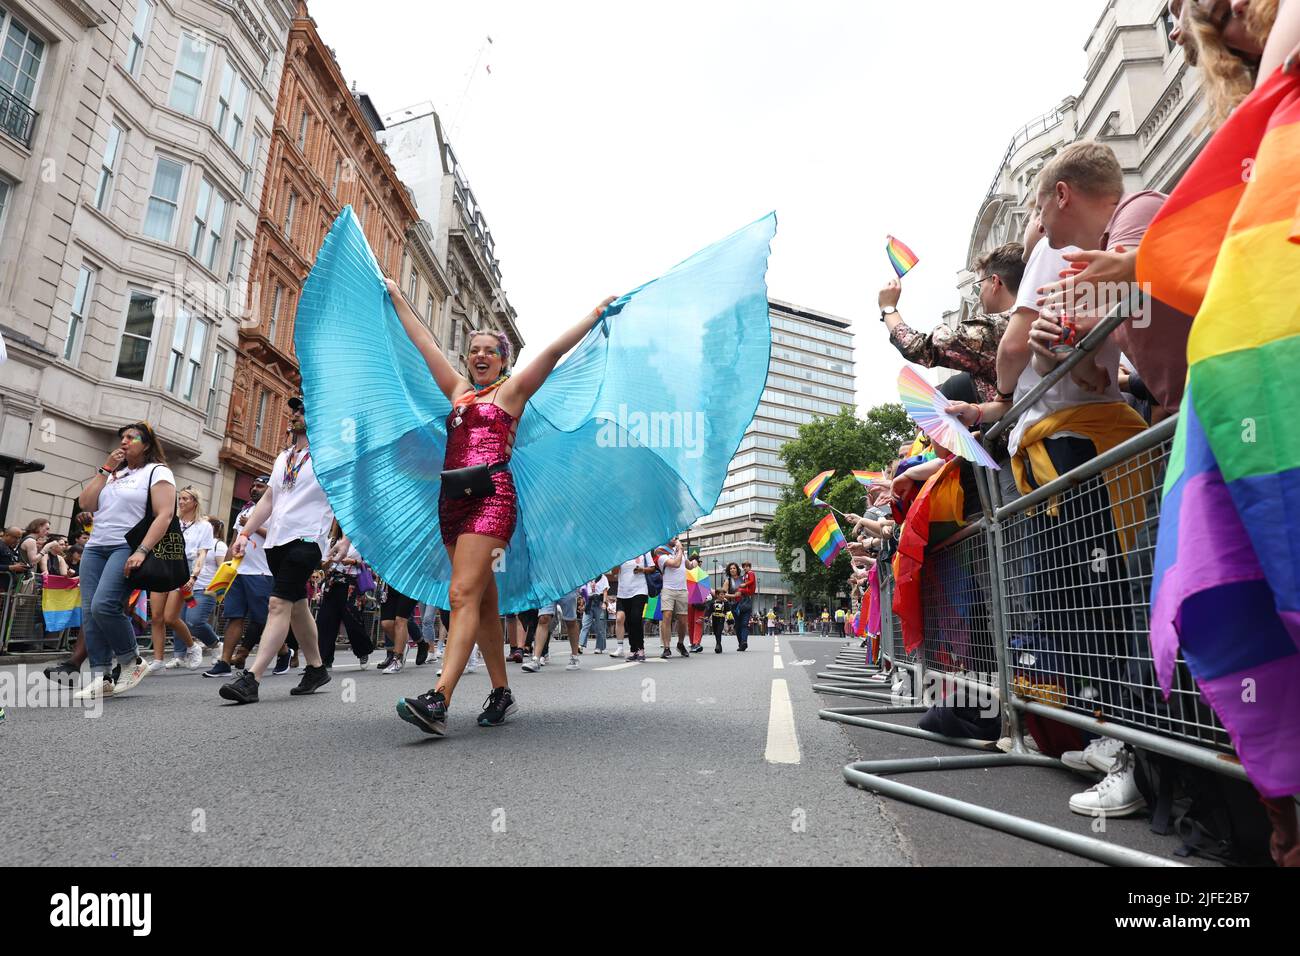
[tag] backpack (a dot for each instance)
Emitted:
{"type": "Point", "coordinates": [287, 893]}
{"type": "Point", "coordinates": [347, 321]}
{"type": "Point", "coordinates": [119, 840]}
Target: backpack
{"type": "Point", "coordinates": [654, 579]}
{"type": "Point", "coordinates": [1215, 816]}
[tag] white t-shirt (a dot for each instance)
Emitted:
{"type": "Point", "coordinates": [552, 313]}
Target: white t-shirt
{"type": "Point", "coordinates": [300, 512]}
{"type": "Point", "coordinates": [255, 554]}
{"type": "Point", "coordinates": [630, 584]}
{"type": "Point", "coordinates": [198, 537]}
{"type": "Point", "coordinates": [124, 501]}
{"type": "Point", "coordinates": [595, 588]}
{"type": "Point", "coordinates": [1045, 266]}
{"type": "Point", "coordinates": [216, 555]}
{"type": "Point", "coordinates": [674, 578]}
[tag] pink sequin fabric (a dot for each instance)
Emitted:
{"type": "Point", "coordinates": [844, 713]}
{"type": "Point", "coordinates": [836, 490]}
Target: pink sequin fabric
{"type": "Point", "coordinates": [482, 438]}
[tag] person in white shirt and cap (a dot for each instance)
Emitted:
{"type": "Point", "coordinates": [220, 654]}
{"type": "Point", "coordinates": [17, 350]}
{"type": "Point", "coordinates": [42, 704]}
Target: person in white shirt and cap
{"type": "Point", "coordinates": [298, 518]}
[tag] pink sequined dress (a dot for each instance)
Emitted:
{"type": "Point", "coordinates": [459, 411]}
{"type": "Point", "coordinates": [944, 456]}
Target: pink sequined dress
{"type": "Point", "coordinates": [483, 437]}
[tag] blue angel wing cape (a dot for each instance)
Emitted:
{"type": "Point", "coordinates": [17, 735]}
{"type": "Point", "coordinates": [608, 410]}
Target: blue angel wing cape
{"type": "Point", "coordinates": [626, 444]}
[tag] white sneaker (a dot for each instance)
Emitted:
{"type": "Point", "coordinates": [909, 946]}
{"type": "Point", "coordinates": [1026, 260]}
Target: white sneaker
{"type": "Point", "coordinates": [599, 650]}
{"type": "Point", "coordinates": [475, 659]}
{"type": "Point", "coordinates": [173, 663]}
{"type": "Point", "coordinates": [617, 652]}
{"type": "Point", "coordinates": [363, 662]}
{"type": "Point", "coordinates": [546, 660]}
{"type": "Point", "coordinates": [1116, 796]}
{"type": "Point", "coordinates": [573, 663]}
{"type": "Point", "coordinates": [194, 656]}
{"type": "Point", "coordinates": [156, 665]}
{"type": "Point", "coordinates": [1102, 755]}
{"type": "Point", "coordinates": [393, 668]}
{"type": "Point", "coordinates": [99, 687]}
{"type": "Point", "coordinates": [131, 675]}
{"type": "Point", "coordinates": [533, 665]}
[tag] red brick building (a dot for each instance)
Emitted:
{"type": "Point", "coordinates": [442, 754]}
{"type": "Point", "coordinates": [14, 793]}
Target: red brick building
{"type": "Point", "coordinates": [323, 155]}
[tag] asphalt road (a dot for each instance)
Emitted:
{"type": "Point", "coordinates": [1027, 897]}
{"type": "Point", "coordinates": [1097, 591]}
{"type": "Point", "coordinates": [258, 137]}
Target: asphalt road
{"type": "Point", "coordinates": [661, 762]}
{"type": "Point", "coordinates": [686, 762]}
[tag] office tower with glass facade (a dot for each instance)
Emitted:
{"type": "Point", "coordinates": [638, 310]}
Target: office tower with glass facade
{"type": "Point", "coordinates": [810, 376]}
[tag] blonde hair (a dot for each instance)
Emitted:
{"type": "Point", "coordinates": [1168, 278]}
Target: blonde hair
{"type": "Point", "coordinates": [1227, 78]}
{"type": "Point", "coordinates": [1087, 167]}
{"type": "Point", "coordinates": [198, 500]}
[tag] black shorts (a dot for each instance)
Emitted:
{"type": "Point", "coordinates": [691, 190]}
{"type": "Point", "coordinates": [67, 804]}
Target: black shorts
{"type": "Point", "coordinates": [292, 565]}
{"type": "Point", "coordinates": [396, 605]}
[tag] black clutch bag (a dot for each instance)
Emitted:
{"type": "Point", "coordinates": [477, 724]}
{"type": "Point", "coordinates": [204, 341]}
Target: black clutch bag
{"type": "Point", "coordinates": [472, 482]}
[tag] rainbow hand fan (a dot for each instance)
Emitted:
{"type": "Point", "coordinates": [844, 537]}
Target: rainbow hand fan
{"type": "Point", "coordinates": [868, 478]}
{"type": "Point", "coordinates": [925, 405]}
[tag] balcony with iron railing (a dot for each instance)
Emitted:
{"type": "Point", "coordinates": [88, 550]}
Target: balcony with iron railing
{"type": "Point", "coordinates": [17, 118]}
{"type": "Point", "coordinates": [1034, 128]}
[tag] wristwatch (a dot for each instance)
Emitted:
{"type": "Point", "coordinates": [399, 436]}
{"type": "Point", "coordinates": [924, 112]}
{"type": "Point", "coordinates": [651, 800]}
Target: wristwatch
{"type": "Point", "coordinates": [888, 310]}
{"type": "Point", "coordinates": [105, 472]}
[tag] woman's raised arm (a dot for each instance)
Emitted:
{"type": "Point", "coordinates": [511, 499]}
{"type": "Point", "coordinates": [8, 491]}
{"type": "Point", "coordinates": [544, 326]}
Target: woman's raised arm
{"type": "Point", "coordinates": [520, 387]}
{"type": "Point", "coordinates": [452, 383]}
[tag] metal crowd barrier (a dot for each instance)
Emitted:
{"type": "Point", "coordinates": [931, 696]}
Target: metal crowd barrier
{"type": "Point", "coordinates": [1044, 604]}
{"type": "Point", "coordinates": [22, 624]}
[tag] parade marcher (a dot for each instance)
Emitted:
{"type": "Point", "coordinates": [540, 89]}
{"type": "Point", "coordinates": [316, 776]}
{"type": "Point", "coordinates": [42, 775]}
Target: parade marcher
{"type": "Point", "coordinates": [297, 517]}
{"type": "Point", "coordinates": [481, 429]}
{"type": "Point", "coordinates": [632, 596]}
{"type": "Point", "coordinates": [593, 611]}
{"type": "Point", "coordinates": [247, 598]}
{"type": "Point", "coordinates": [672, 599]}
{"type": "Point", "coordinates": [568, 608]}
{"type": "Point", "coordinates": [167, 610]}
{"type": "Point", "coordinates": [339, 605]}
{"type": "Point", "coordinates": [199, 616]}
{"type": "Point", "coordinates": [132, 482]}
{"type": "Point", "coordinates": [394, 615]}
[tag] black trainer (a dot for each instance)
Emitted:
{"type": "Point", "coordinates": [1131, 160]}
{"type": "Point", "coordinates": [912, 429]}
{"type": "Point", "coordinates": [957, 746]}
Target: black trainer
{"type": "Point", "coordinates": [681, 649]}
{"type": "Point", "coordinates": [312, 678]}
{"type": "Point", "coordinates": [421, 653]}
{"type": "Point", "coordinates": [667, 655]}
{"type": "Point", "coordinates": [717, 647]}
{"type": "Point", "coordinates": [388, 659]}
{"type": "Point", "coordinates": [242, 690]}
{"type": "Point", "coordinates": [428, 712]}
{"type": "Point", "coordinates": [61, 673]}
{"type": "Point", "coordinates": [499, 705]}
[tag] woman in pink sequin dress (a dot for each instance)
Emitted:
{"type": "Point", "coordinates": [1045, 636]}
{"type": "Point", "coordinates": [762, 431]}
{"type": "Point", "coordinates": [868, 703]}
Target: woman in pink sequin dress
{"type": "Point", "coordinates": [481, 428]}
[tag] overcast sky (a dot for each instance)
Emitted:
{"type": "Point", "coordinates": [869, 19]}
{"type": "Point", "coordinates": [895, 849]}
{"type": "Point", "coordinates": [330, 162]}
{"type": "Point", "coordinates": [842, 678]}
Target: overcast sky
{"type": "Point", "coordinates": [609, 140]}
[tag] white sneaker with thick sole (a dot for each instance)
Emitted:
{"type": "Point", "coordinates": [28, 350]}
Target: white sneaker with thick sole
{"type": "Point", "coordinates": [1116, 796]}
{"type": "Point", "coordinates": [130, 676]}
{"type": "Point", "coordinates": [617, 652]}
{"type": "Point", "coordinates": [363, 662]}
{"type": "Point", "coordinates": [194, 656]}
{"type": "Point", "coordinates": [532, 665]}
{"type": "Point", "coordinates": [173, 663]}
{"type": "Point", "coordinates": [573, 663]}
{"type": "Point", "coordinates": [1100, 756]}
{"type": "Point", "coordinates": [99, 687]}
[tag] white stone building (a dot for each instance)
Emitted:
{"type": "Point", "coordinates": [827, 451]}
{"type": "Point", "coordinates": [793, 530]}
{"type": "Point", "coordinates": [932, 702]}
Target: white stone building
{"type": "Point", "coordinates": [127, 210]}
{"type": "Point", "coordinates": [1139, 96]}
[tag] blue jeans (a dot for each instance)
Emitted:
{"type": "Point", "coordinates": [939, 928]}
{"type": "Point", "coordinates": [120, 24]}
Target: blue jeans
{"type": "Point", "coordinates": [104, 590]}
{"type": "Point", "coordinates": [197, 618]}
{"type": "Point", "coordinates": [593, 619]}
{"type": "Point", "coordinates": [743, 609]}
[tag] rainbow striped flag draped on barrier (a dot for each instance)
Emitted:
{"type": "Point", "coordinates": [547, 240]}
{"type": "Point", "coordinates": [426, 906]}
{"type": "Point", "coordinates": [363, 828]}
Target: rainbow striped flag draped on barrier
{"type": "Point", "coordinates": [60, 602]}
{"type": "Point", "coordinates": [1226, 584]}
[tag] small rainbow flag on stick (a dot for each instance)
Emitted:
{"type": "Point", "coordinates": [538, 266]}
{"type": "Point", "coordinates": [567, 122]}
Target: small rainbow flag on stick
{"type": "Point", "coordinates": [867, 478]}
{"type": "Point", "coordinates": [900, 257]}
{"type": "Point", "coordinates": [827, 539]}
{"type": "Point", "coordinates": [814, 487]}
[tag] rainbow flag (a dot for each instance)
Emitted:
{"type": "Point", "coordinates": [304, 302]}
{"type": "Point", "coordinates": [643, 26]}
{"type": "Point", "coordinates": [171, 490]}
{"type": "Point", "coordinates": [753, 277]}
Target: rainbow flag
{"type": "Point", "coordinates": [814, 487]}
{"type": "Point", "coordinates": [867, 478]}
{"type": "Point", "coordinates": [1226, 583]}
{"type": "Point", "coordinates": [60, 602]}
{"type": "Point", "coordinates": [900, 257]}
{"type": "Point", "coordinates": [827, 539]}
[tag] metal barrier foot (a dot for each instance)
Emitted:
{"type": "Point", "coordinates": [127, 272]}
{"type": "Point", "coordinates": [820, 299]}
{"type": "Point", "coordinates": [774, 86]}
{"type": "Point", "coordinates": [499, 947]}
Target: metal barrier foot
{"type": "Point", "coordinates": [852, 715]}
{"type": "Point", "coordinates": [868, 775]}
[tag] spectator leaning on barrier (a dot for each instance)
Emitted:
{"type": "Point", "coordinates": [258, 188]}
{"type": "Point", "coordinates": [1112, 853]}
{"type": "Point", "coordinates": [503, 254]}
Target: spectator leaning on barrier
{"type": "Point", "coordinates": [1081, 202]}
{"type": "Point", "coordinates": [11, 562]}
